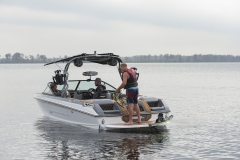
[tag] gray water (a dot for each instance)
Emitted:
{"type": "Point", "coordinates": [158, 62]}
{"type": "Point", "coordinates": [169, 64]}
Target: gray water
{"type": "Point", "coordinates": [203, 97]}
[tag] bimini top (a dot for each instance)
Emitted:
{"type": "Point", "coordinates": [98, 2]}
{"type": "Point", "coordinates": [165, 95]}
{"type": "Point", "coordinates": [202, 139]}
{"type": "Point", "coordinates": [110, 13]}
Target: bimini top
{"type": "Point", "coordinates": [104, 58]}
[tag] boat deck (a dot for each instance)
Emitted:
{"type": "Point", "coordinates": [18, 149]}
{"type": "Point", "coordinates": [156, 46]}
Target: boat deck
{"type": "Point", "coordinates": [143, 124]}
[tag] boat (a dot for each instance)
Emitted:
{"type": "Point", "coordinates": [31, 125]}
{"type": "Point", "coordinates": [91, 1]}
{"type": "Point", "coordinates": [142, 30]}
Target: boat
{"type": "Point", "coordinates": [76, 105]}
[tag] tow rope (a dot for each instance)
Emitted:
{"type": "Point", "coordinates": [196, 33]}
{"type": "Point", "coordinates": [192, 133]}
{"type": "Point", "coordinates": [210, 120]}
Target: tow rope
{"type": "Point", "coordinates": [118, 98]}
{"type": "Point", "coordinates": [123, 105]}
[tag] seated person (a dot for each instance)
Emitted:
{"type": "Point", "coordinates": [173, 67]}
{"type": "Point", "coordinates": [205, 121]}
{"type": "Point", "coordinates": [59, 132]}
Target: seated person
{"type": "Point", "coordinates": [99, 89]}
{"type": "Point", "coordinates": [57, 92]}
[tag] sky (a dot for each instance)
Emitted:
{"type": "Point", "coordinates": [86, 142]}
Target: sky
{"type": "Point", "coordinates": [123, 27]}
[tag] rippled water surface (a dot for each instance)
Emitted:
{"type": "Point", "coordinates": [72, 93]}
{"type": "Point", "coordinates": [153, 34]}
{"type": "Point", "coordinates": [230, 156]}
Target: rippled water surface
{"type": "Point", "coordinates": [203, 97]}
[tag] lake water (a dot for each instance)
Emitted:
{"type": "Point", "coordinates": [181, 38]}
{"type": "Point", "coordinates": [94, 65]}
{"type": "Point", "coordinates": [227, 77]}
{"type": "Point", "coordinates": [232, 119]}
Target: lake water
{"type": "Point", "coordinates": [203, 97]}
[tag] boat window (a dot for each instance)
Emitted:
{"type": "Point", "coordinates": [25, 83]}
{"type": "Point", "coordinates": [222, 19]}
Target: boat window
{"type": "Point", "coordinates": [108, 87]}
{"type": "Point", "coordinates": [72, 85]}
{"type": "Point", "coordinates": [85, 85]}
{"type": "Point", "coordinates": [60, 87]}
{"type": "Point", "coordinates": [47, 90]}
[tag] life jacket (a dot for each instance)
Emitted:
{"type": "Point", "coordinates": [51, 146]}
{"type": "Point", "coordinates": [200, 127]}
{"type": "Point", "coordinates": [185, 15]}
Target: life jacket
{"type": "Point", "coordinates": [132, 80]}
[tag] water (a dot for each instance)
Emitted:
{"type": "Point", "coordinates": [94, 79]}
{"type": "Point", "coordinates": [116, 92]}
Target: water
{"type": "Point", "coordinates": [204, 98]}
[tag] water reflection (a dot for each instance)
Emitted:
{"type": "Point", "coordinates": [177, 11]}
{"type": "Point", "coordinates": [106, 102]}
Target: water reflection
{"type": "Point", "coordinates": [60, 140]}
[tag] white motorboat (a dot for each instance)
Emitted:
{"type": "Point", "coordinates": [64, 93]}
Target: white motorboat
{"type": "Point", "coordinates": [76, 104]}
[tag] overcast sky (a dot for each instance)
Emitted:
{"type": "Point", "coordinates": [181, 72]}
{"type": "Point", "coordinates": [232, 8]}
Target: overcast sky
{"type": "Point", "coordinates": [124, 27]}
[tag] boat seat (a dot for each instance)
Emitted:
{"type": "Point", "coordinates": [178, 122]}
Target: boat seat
{"type": "Point", "coordinates": [77, 95]}
{"type": "Point", "coordinates": [106, 107]}
{"type": "Point", "coordinates": [151, 102]}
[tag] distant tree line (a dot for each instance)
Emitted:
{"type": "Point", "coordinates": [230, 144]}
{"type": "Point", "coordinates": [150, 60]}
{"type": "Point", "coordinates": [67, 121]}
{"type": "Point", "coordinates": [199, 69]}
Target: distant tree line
{"type": "Point", "coordinates": [21, 58]}
{"type": "Point", "coordinates": [180, 58]}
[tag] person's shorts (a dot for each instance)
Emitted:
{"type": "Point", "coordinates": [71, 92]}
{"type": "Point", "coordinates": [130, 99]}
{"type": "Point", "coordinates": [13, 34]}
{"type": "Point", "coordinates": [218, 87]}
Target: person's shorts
{"type": "Point", "coordinates": [132, 95]}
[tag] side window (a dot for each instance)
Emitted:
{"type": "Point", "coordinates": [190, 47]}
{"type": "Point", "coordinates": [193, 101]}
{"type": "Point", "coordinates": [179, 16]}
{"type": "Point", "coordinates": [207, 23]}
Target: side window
{"type": "Point", "coordinates": [47, 90]}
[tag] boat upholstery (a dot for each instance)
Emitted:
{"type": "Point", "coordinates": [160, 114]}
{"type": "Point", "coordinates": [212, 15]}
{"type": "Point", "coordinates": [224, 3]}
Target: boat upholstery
{"type": "Point", "coordinates": [154, 103]}
{"type": "Point", "coordinates": [105, 107]}
{"type": "Point", "coordinates": [77, 95]}
{"type": "Point", "coordinates": [146, 107]}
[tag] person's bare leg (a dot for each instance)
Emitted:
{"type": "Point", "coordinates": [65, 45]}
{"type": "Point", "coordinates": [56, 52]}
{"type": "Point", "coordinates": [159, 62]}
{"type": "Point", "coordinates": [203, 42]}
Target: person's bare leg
{"type": "Point", "coordinates": [138, 112]}
{"type": "Point", "coordinates": [134, 111]}
{"type": "Point", "coordinates": [130, 112]}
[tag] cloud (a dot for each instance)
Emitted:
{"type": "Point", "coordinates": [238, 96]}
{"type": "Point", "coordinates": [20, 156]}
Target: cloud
{"type": "Point", "coordinates": [60, 27]}
{"type": "Point", "coordinates": [24, 16]}
{"type": "Point", "coordinates": [200, 15]}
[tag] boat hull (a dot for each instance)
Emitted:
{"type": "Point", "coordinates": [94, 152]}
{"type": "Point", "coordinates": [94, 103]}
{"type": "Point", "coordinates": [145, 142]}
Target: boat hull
{"type": "Point", "coordinates": [69, 113]}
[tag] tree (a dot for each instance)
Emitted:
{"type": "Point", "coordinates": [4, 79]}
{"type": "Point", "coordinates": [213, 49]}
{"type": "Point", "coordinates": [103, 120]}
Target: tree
{"type": "Point", "coordinates": [8, 56]}
{"type": "Point", "coordinates": [37, 57]}
{"type": "Point", "coordinates": [18, 57]}
{"type": "Point", "coordinates": [42, 58]}
{"type": "Point", "coordinates": [26, 58]}
{"type": "Point", "coordinates": [31, 57]}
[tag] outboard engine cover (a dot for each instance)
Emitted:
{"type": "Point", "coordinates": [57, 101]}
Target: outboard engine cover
{"type": "Point", "coordinates": [59, 79]}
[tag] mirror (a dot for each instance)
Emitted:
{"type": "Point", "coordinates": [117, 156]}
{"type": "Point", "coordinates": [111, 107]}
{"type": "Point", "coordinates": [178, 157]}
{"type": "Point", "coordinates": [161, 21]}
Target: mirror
{"type": "Point", "coordinates": [90, 73]}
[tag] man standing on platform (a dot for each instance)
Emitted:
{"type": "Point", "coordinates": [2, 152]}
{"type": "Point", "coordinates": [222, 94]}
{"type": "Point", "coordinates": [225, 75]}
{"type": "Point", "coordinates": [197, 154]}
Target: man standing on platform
{"type": "Point", "coordinates": [129, 82]}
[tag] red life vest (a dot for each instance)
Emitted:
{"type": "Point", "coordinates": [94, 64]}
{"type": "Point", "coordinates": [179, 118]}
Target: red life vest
{"type": "Point", "coordinates": [132, 80]}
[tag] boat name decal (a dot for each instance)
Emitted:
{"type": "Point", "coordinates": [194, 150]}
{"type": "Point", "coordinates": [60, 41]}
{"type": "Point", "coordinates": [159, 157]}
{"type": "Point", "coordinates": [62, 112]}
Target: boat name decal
{"type": "Point", "coordinates": [59, 113]}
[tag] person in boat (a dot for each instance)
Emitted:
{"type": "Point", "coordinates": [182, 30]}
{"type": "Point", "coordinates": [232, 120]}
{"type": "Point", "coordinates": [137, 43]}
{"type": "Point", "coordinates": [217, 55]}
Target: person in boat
{"type": "Point", "coordinates": [129, 82]}
{"type": "Point", "coordinates": [100, 88]}
{"type": "Point", "coordinates": [55, 91]}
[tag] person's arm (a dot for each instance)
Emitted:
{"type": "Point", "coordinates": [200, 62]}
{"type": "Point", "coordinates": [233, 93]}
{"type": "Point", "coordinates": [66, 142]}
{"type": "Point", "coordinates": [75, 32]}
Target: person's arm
{"type": "Point", "coordinates": [124, 82]}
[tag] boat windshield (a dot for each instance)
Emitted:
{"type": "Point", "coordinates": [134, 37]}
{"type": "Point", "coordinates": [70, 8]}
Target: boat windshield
{"type": "Point", "coordinates": [108, 87]}
{"type": "Point", "coordinates": [47, 90]}
{"type": "Point", "coordinates": [72, 85]}
{"type": "Point", "coordinates": [85, 85]}
{"type": "Point", "coordinates": [80, 85]}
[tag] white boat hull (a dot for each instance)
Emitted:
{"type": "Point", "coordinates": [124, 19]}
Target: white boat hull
{"type": "Point", "coordinates": [74, 113]}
